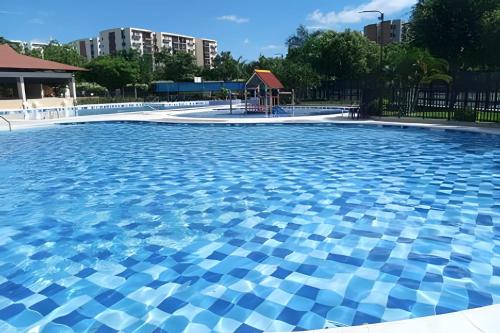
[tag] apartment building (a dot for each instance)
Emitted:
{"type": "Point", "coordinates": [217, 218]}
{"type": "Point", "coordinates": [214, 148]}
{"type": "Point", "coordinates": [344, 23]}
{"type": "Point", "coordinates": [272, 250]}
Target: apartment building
{"type": "Point", "coordinates": [174, 42]}
{"type": "Point", "coordinates": [206, 51]}
{"type": "Point", "coordinates": [112, 41]}
{"type": "Point", "coordinates": [29, 46]}
{"type": "Point", "coordinates": [88, 48]}
{"type": "Point", "coordinates": [385, 32]}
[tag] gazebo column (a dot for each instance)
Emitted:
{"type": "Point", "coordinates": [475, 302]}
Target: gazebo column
{"type": "Point", "coordinates": [73, 88]}
{"type": "Point", "coordinates": [21, 90]}
{"type": "Point", "coordinates": [265, 101]}
{"type": "Point", "coordinates": [246, 100]}
{"type": "Point", "coordinates": [270, 101]}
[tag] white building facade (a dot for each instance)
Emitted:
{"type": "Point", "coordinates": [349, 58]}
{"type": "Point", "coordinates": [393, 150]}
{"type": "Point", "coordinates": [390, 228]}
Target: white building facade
{"type": "Point", "coordinates": [113, 41]}
{"type": "Point", "coordinates": [206, 51]}
{"type": "Point", "coordinates": [29, 46]}
{"type": "Point", "coordinates": [88, 48]}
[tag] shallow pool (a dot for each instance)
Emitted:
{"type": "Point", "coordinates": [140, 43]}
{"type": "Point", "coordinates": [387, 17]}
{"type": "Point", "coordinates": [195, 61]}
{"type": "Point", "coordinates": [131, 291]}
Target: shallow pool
{"type": "Point", "coordinates": [137, 227]}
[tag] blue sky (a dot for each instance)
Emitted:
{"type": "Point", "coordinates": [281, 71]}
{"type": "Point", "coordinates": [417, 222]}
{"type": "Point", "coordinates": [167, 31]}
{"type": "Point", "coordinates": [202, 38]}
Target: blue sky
{"type": "Point", "coordinates": [246, 28]}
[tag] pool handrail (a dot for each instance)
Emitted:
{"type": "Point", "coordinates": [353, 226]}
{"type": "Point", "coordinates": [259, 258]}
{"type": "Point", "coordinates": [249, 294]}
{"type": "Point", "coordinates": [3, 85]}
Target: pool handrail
{"type": "Point", "coordinates": [8, 122]}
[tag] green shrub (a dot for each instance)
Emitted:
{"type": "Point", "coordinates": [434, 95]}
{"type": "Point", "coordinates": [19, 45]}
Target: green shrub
{"type": "Point", "coordinates": [464, 115]}
{"type": "Point", "coordinates": [90, 89]}
{"type": "Point", "coordinates": [374, 108]}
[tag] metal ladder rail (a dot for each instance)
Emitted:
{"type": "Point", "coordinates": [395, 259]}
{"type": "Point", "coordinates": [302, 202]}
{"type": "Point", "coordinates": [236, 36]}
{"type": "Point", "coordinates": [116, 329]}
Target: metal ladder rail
{"type": "Point", "coordinates": [8, 122]}
{"type": "Point", "coordinates": [150, 106]}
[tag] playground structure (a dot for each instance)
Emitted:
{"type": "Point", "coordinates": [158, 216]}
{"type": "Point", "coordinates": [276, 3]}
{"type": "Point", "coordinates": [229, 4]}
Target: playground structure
{"type": "Point", "coordinates": [264, 89]}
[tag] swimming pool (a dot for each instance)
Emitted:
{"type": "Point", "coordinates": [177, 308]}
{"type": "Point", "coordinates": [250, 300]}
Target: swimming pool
{"type": "Point", "coordinates": [282, 111]}
{"type": "Point", "coordinates": [134, 227]}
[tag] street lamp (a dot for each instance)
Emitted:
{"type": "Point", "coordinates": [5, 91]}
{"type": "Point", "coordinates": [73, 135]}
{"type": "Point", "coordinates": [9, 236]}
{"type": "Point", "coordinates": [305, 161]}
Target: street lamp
{"type": "Point", "coordinates": [381, 18]}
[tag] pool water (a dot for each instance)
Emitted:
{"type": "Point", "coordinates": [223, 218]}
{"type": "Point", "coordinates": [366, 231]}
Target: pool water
{"type": "Point", "coordinates": [140, 227]}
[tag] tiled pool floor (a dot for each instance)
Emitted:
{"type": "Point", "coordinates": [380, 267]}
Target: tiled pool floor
{"type": "Point", "coordinates": [128, 227]}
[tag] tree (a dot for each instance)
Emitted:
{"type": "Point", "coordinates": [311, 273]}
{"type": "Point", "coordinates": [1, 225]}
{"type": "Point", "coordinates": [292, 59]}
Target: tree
{"type": "Point", "coordinates": [65, 54]}
{"type": "Point", "coordinates": [409, 67]}
{"type": "Point", "coordinates": [14, 46]}
{"type": "Point", "coordinates": [144, 62]}
{"type": "Point", "coordinates": [178, 66]}
{"type": "Point", "coordinates": [299, 39]}
{"type": "Point", "coordinates": [112, 72]}
{"type": "Point", "coordinates": [344, 55]}
{"type": "Point", "coordinates": [490, 39]}
{"type": "Point", "coordinates": [225, 68]}
{"type": "Point", "coordinates": [452, 29]}
{"type": "Point", "coordinates": [292, 74]}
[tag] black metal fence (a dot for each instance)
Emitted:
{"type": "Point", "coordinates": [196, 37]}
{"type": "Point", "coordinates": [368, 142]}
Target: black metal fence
{"type": "Point", "coordinates": [443, 102]}
{"type": "Point", "coordinates": [473, 96]}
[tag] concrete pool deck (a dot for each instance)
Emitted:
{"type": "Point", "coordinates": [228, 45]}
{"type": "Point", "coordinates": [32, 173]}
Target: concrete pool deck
{"type": "Point", "coordinates": [177, 116]}
{"type": "Point", "coordinates": [485, 319]}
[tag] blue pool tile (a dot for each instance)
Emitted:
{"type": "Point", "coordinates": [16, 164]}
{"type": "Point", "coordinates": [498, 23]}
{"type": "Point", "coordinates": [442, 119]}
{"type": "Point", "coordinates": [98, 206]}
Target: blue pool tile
{"type": "Point", "coordinates": [86, 272]}
{"type": "Point", "coordinates": [345, 259]}
{"type": "Point", "coordinates": [212, 277]}
{"type": "Point", "coordinates": [393, 269]}
{"type": "Point", "coordinates": [379, 254]}
{"type": "Point", "coordinates": [14, 291]}
{"type": "Point", "coordinates": [281, 253]}
{"type": "Point", "coordinates": [45, 307]}
{"type": "Point", "coordinates": [290, 316]}
{"type": "Point", "coordinates": [478, 298]}
{"type": "Point", "coordinates": [308, 292]}
{"type": "Point", "coordinates": [484, 220]}
{"type": "Point", "coordinates": [11, 310]}
{"type": "Point", "coordinates": [409, 283]}
{"type": "Point", "coordinates": [171, 304]}
{"type": "Point", "coordinates": [321, 310]}
{"type": "Point", "coordinates": [257, 256]}
{"type": "Point", "coordinates": [70, 319]}
{"type": "Point", "coordinates": [250, 301]}
{"type": "Point", "coordinates": [456, 272]}
{"type": "Point", "coordinates": [281, 273]}
{"type": "Point", "coordinates": [41, 255]}
{"type": "Point", "coordinates": [244, 328]}
{"type": "Point", "coordinates": [398, 303]}
{"type": "Point", "coordinates": [307, 269]}
{"type": "Point", "coordinates": [217, 256]}
{"type": "Point", "coordinates": [361, 318]}
{"type": "Point", "coordinates": [239, 272]}
{"type": "Point", "coordinates": [221, 307]}
{"type": "Point", "coordinates": [52, 290]}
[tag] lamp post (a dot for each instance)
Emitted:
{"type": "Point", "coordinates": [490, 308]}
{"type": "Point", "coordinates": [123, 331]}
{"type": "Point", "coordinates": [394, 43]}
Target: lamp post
{"type": "Point", "coordinates": [381, 18]}
{"type": "Point", "coordinates": [381, 41]}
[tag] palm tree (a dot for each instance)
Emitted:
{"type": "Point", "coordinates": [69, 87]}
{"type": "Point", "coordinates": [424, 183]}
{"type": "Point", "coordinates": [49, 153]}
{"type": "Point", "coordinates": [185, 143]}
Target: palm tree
{"type": "Point", "coordinates": [415, 67]}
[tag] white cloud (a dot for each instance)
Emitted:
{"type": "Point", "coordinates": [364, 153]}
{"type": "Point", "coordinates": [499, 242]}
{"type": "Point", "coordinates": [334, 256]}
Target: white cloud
{"type": "Point", "coordinates": [233, 19]}
{"type": "Point", "coordinates": [6, 12]}
{"type": "Point", "coordinates": [36, 20]}
{"type": "Point", "coordinates": [271, 47]}
{"type": "Point", "coordinates": [246, 41]}
{"type": "Point", "coordinates": [352, 15]}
